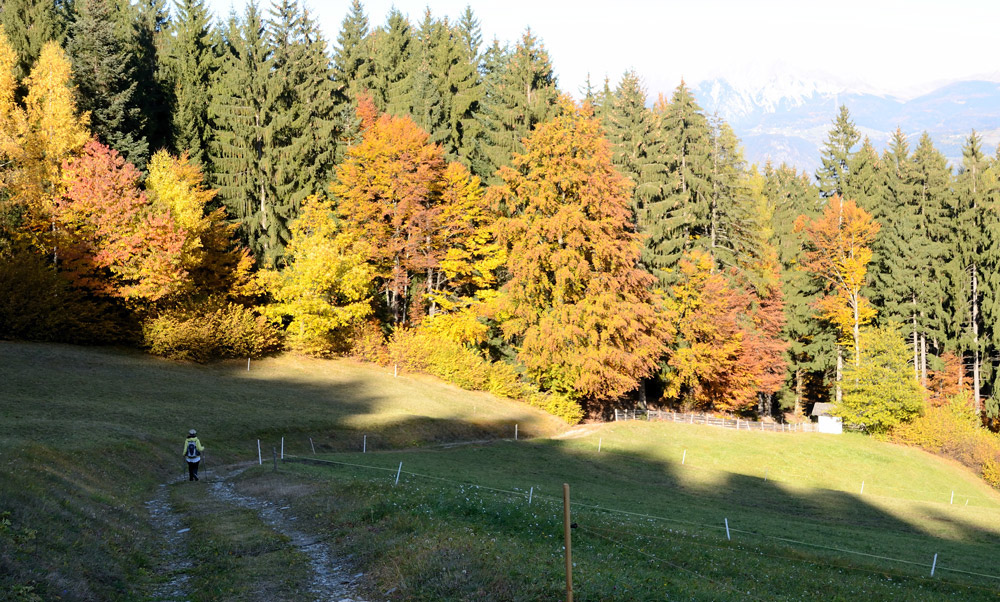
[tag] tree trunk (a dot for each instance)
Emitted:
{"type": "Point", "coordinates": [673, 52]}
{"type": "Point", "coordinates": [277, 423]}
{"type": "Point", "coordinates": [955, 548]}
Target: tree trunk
{"type": "Point", "coordinates": [840, 371]}
{"type": "Point", "coordinates": [923, 360]}
{"type": "Point", "coordinates": [916, 348]}
{"type": "Point", "coordinates": [975, 337]}
{"type": "Point", "coordinates": [857, 330]}
{"type": "Point", "coordinates": [797, 410]}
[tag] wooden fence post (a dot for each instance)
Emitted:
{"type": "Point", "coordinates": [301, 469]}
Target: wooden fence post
{"type": "Point", "coordinates": [569, 554]}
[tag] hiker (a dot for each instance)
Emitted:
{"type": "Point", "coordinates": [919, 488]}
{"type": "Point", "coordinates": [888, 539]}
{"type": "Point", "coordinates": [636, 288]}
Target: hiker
{"type": "Point", "coordinates": [192, 453]}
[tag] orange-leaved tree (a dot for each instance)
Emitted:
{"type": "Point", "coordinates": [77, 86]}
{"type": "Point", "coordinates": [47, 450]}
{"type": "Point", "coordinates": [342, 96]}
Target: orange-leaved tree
{"type": "Point", "coordinates": [728, 349]}
{"type": "Point", "coordinates": [577, 307]}
{"type": "Point", "coordinates": [388, 191]}
{"type": "Point", "coordinates": [111, 240]}
{"type": "Point", "coordinates": [838, 254]}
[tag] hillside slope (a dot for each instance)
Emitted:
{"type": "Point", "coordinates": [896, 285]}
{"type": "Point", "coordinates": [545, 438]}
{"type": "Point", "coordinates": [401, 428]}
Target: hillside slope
{"type": "Point", "coordinates": [91, 484]}
{"type": "Point", "coordinates": [88, 435]}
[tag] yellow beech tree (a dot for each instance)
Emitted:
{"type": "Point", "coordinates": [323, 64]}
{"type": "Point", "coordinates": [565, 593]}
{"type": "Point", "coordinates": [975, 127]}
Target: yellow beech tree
{"type": "Point", "coordinates": [209, 256]}
{"type": "Point", "coordinates": [326, 286]}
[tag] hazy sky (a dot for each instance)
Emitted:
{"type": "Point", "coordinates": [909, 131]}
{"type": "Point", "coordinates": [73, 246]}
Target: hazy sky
{"type": "Point", "coordinates": [898, 46]}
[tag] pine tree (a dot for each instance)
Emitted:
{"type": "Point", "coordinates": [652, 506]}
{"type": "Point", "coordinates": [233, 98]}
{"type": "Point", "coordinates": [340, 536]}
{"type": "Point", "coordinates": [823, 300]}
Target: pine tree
{"type": "Point", "coordinates": [520, 92]}
{"type": "Point", "coordinates": [241, 157]}
{"type": "Point", "coordinates": [837, 152]}
{"type": "Point", "coordinates": [104, 72]}
{"type": "Point", "coordinates": [191, 61]}
{"type": "Point", "coordinates": [685, 213]}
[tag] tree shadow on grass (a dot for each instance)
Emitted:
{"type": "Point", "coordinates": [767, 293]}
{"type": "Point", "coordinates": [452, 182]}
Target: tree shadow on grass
{"type": "Point", "coordinates": [102, 405]}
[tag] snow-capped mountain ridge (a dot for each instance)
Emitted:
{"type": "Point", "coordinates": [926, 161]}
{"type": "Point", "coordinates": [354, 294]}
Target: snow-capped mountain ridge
{"type": "Point", "coordinates": [786, 118]}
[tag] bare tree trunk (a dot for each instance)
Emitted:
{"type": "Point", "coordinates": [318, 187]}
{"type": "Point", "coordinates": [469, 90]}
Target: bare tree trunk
{"type": "Point", "coordinates": [840, 371]}
{"type": "Point", "coordinates": [975, 337]}
{"type": "Point", "coordinates": [923, 360]}
{"type": "Point", "coordinates": [797, 410]}
{"type": "Point", "coordinates": [857, 330]}
{"type": "Point", "coordinates": [916, 349]}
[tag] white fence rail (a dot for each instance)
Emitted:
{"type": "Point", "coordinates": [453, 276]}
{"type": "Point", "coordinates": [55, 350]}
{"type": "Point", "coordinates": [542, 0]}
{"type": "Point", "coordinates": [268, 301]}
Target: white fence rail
{"type": "Point", "coordinates": [729, 423]}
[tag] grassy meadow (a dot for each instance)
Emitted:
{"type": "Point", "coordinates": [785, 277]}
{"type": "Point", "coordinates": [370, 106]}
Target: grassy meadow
{"type": "Point", "coordinates": [90, 436]}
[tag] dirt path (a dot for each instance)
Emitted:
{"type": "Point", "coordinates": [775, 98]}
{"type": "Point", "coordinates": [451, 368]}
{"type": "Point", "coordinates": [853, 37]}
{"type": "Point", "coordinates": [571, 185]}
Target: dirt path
{"type": "Point", "coordinates": [578, 431]}
{"type": "Point", "coordinates": [330, 581]}
{"type": "Point", "coordinates": [176, 562]}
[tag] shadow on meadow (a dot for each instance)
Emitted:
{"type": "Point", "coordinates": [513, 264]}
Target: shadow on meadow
{"type": "Point", "coordinates": [91, 430]}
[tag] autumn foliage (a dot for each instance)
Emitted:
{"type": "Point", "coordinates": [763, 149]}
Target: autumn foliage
{"type": "Point", "coordinates": [840, 250]}
{"type": "Point", "coordinates": [728, 347]}
{"type": "Point", "coordinates": [110, 238]}
{"type": "Point", "coordinates": [577, 306]}
{"type": "Point", "coordinates": [388, 190]}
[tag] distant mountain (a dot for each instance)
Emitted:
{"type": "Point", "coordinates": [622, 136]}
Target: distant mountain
{"type": "Point", "coordinates": [787, 119]}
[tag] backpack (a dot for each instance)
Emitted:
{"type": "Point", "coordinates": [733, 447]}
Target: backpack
{"type": "Point", "coordinates": [192, 450]}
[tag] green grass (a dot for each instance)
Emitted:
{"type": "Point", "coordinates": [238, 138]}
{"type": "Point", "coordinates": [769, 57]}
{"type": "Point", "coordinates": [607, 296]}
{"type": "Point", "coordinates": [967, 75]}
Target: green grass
{"type": "Point", "coordinates": [89, 434]}
{"type": "Point", "coordinates": [645, 514]}
{"type": "Point", "coordinates": [234, 555]}
{"type": "Point", "coordinates": [86, 436]}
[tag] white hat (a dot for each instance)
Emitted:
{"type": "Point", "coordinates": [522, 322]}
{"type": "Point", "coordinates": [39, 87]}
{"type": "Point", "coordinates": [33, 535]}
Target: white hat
{"type": "Point", "coordinates": [192, 432]}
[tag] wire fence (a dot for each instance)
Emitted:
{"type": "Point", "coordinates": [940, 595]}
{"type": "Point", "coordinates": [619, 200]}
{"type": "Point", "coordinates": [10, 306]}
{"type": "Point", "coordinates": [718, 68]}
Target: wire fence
{"type": "Point", "coordinates": [783, 540]}
{"type": "Point", "coordinates": [710, 420]}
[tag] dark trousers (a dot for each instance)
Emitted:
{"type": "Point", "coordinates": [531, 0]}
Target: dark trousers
{"type": "Point", "coordinates": [193, 470]}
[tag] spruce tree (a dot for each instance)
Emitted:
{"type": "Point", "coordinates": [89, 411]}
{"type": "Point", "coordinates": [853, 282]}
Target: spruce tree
{"type": "Point", "coordinates": [930, 180]}
{"type": "Point", "coordinates": [520, 92]}
{"type": "Point", "coordinates": [428, 104]}
{"type": "Point", "coordinates": [460, 85]}
{"type": "Point", "coordinates": [192, 62]}
{"type": "Point", "coordinates": [150, 22]}
{"type": "Point", "coordinates": [104, 72]}
{"type": "Point", "coordinates": [242, 114]}
{"type": "Point", "coordinates": [810, 345]}
{"type": "Point", "coordinates": [971, 257]}
{"type": "Point", "coordinates": [736, 238]}
{"type": "Point", "coordinates": [837, 152]}
{"type": "Point", "coordinates": [303, 139]}
{"type": "Point", "coordinates": [631, 129]}
{"type": "Point", "coordinates": [353, 66]}
{"type": "Point", "coordinates": [466, 84]}
{"type": "Point", "coordinates": [393, 47]}
{"type": "Point", "coordinates": [864, 183]}
{"type": "Point", "coordinates": [684, 215]}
